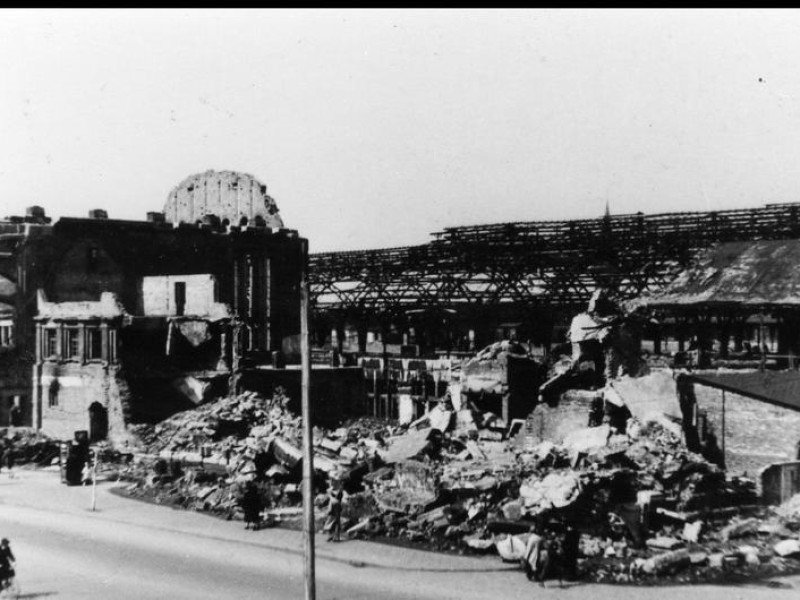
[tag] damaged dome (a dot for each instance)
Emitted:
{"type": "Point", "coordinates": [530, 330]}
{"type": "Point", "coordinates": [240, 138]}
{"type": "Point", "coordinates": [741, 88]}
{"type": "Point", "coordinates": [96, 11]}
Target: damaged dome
{"type": "Point", "coordinates": [234, 198]}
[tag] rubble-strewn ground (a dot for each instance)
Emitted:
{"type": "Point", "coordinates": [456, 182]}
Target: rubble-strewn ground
{"type": "Point", "coordinates": [28, 446]}
{"type": "Point", "coordinates": [648, 510]}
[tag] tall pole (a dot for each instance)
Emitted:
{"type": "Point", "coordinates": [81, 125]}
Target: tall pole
{"type": "Point", "coordinates": [308, 455]}
{"type": "Point", "coordinates": [723, 427]}
{"type": "Point", "coordinates": [94, 481]}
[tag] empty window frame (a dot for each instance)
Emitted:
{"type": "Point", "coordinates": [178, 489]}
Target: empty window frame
{"type": "Point", "coordinates": [180, 298]}
{"type": "Point", "coordinates": [94, 343]}
{"type": "Point", "coordinates": [72, 345]}
{"type": "Point", "coordinates": [6, 334]}
{"type": "Point", "coordinates": [50, 345]}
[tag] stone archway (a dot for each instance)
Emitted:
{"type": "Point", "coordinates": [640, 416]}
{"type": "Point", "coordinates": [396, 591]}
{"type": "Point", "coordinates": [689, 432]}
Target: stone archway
{"type": "Point", "coordinates": [98, 422]}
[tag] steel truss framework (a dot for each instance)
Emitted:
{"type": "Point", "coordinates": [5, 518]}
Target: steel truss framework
{"type": "Point", "coordinates": [540, 265]}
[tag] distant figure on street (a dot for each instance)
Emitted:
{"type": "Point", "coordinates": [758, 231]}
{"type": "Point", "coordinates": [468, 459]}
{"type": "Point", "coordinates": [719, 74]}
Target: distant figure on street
{"type": "Point", "coordinates": [251, 505]}
{"type": "Point", "coordinates": [86, 474]}
{"type": "Point", "coordinates": [7, 561]}
{"type": "Point", "coordinates": [335, 516]}
{"type": "Point", "coordinates": [9, 462]}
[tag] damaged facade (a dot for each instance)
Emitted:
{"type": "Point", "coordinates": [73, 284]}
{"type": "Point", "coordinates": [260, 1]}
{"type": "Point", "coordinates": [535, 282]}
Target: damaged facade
{"type": "Point", "coordinates": [129, 321]}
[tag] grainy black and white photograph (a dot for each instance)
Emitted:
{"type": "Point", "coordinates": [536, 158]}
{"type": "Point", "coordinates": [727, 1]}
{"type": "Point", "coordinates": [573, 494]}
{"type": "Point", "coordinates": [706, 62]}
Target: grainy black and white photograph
{"type": "Point", "coordinates": [399, 304]}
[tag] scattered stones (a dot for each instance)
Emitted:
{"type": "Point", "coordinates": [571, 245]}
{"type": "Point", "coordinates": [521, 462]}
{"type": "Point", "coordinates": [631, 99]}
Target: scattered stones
{"type": "Point", "coordinates": [639, 502]}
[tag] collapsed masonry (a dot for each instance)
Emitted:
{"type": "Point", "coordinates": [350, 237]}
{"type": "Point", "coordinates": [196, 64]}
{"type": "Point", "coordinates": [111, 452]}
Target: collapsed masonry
{"type": "Point", "coordinates": [461, 479]}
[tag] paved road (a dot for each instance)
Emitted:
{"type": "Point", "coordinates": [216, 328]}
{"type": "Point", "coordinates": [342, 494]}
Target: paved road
{"type": "Point", "coordinates": [128, 549]}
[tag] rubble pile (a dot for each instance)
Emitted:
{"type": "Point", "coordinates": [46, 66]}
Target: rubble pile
{"type": "Point", "coordinates": [646, 508]}
{"type": "Point", "coordinates": [27, 445]}
{"type": "Point", "coordinates": [202, 459]}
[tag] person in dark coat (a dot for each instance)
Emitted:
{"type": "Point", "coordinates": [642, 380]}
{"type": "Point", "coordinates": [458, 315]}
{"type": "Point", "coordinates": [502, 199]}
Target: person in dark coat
{"type": "Point", "coordinates": [335, 516]}
{"type": "Point", "coordinates": [571, 551]}
{"type": "Point", "coordinates": [251, 505]}
{"type": "Point", "coordinates": [7, 561]}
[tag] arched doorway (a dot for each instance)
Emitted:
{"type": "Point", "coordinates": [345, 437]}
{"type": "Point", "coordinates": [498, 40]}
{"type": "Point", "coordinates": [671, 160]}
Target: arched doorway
{"type": "Point", "coordinates": [98, 422]}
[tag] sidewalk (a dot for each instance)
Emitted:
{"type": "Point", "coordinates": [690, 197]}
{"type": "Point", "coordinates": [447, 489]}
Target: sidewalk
{"type": "Point", "coordinates": [38, 496]}
{"type": "Point", "coordinates": [114, 508]}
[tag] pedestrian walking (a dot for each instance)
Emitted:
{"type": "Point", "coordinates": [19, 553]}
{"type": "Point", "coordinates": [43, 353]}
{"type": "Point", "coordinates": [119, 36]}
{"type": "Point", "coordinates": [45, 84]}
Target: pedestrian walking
{"type": "Point", "coordinates": [7, 563]}
{"type": "Point", "coordinates": [251, 505]}
{"type": "Point", "coordinates": [9, 459]}
{"type": "Point", "coordinates": [335, 516]}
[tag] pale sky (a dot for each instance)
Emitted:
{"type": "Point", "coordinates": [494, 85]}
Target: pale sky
{"type": "Point", "coordinates": [374, 128]}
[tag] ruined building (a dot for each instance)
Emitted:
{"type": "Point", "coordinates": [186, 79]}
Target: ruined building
{"type": "Point", "coordinates": [472, 285]}
{"type": "Point", "coordinates": [117, 322]}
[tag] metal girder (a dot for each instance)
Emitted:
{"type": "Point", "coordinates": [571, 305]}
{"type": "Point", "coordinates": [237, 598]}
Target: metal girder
{"type": "Point", "coordinates": [547, 263]}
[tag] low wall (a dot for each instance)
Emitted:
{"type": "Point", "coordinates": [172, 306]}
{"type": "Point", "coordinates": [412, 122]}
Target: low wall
{"type": "Point", "coordinates": [757, 434]}
{"type": "Point", "coordinates": [553, 423]}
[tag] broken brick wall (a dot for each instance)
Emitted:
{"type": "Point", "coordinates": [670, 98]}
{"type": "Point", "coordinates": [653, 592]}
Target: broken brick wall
{"type": "Point", "coordinates": [159, 296]}
{"type": "Point", "coordinates": [14, 385]}
{"type": "Point", "coordinates": [553, 423]}
{"type": "Point", "coordinates": [654, 393]}
{"type": "Point", "coordinates": [68, 390]}
{"type": "Point", "coordinates": [757, 434]}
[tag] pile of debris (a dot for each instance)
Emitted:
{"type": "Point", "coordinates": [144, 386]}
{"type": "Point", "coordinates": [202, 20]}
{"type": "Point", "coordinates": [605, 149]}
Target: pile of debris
{"type": "Point", "coordinates": [646, 508]}
{"type": "Point", "coordinates": [202, 459]}
{"type": "Point", "coordinates": [27, 445]}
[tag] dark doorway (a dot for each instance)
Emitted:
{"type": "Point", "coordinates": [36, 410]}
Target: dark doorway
{"type": "Point", "coordinates": [98, 422]}
{"type": "Point", "coordinates": [180, 298]}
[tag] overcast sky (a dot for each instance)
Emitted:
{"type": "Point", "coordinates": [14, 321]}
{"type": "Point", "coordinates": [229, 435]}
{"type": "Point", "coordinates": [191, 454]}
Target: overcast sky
{"type": "Point", "coordinates": [376, 128]}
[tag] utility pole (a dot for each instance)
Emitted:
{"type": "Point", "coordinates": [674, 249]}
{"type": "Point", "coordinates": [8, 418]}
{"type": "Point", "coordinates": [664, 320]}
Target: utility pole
{"type": "Point", "coordinates": [308, 454]}
{"type": "Point", "coordinates": [94, 480]}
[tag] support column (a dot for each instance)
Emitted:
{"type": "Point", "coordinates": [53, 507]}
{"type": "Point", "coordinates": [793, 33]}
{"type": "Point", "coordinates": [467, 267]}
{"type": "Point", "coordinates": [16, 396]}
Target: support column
{"type": "Point", "coordinates": [222, 363]}
{"type": "Point", "coordinates": [340, 335]}
{"type": "Point", "coordinates": [724, 336]}
{"type": "Point", "coordinates": [36, 417]}
{"type": "Point", "coordinates": [104, 342]}
{"type": "Point", "coordinates": [738, 335]}
{"type": "Point", "coordinates": [82, 343]}
{"type": "Point", "coordinates": [362, 336]}
{"type": "Point", "coordinates": [268, 304]}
